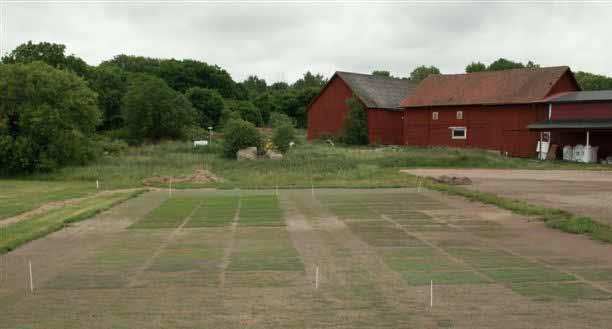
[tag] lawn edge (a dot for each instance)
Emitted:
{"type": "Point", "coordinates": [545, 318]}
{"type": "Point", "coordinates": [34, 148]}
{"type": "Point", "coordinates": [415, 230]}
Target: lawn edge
{"type": "Point", "coordinates": [554, 218]}
{"type": "Point", "coordinates": [68, 220]}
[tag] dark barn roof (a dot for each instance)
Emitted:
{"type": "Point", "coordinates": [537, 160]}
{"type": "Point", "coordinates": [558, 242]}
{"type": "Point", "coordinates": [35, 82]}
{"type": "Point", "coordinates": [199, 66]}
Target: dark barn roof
{"type": "Point", "coordinates": [516, 86]}
{"type": "Point", "coordinates": [378, 92]}
{"type": "Point", "coordinates": [581, 96]}
{"type": "Point", "coordinates": [572, 124]}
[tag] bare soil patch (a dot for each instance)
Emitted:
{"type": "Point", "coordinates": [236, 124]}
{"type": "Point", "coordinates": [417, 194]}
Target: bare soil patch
{"type": "Point", "coordinates": [201, 176]}
{"type": "Point", "coordinates": [584, 192]}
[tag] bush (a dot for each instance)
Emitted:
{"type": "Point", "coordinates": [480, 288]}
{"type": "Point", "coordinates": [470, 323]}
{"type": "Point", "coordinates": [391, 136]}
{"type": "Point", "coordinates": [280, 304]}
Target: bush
{"type": "Point", "coordinates": [107, 145]}
{"type": "Point", "coordinates": [152, 110]}
{"type": "Point", "coordinates": [239, 134]}
{"type": "Point", "coordinates": [283, 136]}
{"type": "Point", "coordinates": [278, 119]}
{"type": "Point", "coordinates": [355, 124]}
{"type": "Point", "coordinates": [47, 118]}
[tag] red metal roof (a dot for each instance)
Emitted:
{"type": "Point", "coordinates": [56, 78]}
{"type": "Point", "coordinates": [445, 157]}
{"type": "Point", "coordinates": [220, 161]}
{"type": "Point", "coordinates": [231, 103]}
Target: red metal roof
{"type": "Point", "coordinates": [497, 87]}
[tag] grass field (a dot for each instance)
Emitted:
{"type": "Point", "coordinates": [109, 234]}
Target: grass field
{"type": "Point", "coordinates": [310, 163]}
{"type": "Point", "coordinates": [235, 259]}
{"type": "Point", "coordinates": [17, 196]}
{"type": "Point", "coordinates": [14, 235]}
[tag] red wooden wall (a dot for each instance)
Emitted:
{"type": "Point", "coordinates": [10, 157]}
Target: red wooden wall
{"type": "Point", "coordinates": [385, 127]}
{"type": "Point", "coordinates": [500, 127]}
{"type": "Point", "coordinates": [326, 113]}
{"type": "Point", "coordinates": [592, 110]}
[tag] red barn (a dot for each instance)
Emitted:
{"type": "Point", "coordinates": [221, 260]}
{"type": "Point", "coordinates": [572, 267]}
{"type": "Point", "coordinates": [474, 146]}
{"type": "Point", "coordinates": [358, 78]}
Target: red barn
{"type": "Point", "coordinates": [581, 117]}
{"type": "Point", "coordinates": [488, 110]}
{"type": "Point", "coordinates": [380, 96]}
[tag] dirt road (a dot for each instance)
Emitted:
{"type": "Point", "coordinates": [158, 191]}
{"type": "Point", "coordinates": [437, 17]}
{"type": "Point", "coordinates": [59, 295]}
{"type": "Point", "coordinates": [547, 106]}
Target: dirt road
{"type": "Point", "coordinates": [583, 192]}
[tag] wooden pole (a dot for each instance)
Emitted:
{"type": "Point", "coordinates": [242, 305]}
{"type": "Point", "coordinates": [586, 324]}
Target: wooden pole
{"type": "Point", "coordinates": [31, 280]}
{"type": "Point", "coordinates": [317, 278]}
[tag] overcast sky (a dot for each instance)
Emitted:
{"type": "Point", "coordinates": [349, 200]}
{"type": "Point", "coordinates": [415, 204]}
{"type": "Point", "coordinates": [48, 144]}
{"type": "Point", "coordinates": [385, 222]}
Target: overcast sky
{"type": "Point", "coordinates": [281, 41]}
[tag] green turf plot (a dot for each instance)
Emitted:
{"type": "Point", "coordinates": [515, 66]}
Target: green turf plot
{"type": "Point", "coordinates": [419, 278]}
{"type": "Point", "coordinates": [169, 214]}
{"type": "Point", "coordinates": [264, 249]}
{"type": "Point", "coordinates": [215, 211]}
{"type": "Point", "coordinates": [420, 265]}
{"type": "Point", "coordinates": [489, 258]}
{"type": "Point", "coordinates": [86, 281]}
{"type": "Point", "coordinates": [382, 234]}
{"type": "Point", "coordinates": [353, 212]}
{"type": "Point", "coordinates": [535, 273]}
{"type": "Point", "coordinates": [260, 210]}
{"type": "Point", "coordinates": [565, 291]}
{"type": "Point", "coordinates": [595, 274]}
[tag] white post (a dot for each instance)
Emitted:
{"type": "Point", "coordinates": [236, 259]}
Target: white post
{"type": "Point", "coordinates": [97, 184]}
{"type": "Point", "coordinates": [431, 294]}
{"type": "Point", "coordinates": [588, 138]}
{"type": "Point", "coordinates": [317, 278]}
{"type": "Point", "coordinates": [31, 280]}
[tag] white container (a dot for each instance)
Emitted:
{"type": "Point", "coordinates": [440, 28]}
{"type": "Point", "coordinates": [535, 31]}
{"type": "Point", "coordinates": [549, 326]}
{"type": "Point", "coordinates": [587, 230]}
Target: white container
{"type": "Point", "coordinates": [568, 153]}
{"type": "Point", "coordinates": [578, 153]}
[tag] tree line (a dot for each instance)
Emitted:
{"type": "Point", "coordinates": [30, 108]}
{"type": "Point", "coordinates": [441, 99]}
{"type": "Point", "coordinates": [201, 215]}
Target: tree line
{"type": "Point", "coordinates": [54, 107]}
{"type": "Point", "coordinates": [586, 80]}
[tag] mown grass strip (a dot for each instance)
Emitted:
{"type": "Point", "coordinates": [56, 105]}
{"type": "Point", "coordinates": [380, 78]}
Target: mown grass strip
{"type": "Point", "coordinates": [169, 214]}
{"type": "Point", "coordinates": [22, 232]}
{"type": "Point", "coordinates": [554, 218]}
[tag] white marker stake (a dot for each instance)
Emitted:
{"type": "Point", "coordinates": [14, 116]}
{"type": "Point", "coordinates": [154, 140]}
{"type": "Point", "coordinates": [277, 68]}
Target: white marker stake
{"type": "Point", "coordinates": [31, 280]}
{"type": "Point", "coordinates": [312, 189]}
{"type": "Point", "coordinates": [317, 278]}
{"type": "Point", "coordinates": [431, 294]}
{"type": "Point", "coordinates": [97, 184]}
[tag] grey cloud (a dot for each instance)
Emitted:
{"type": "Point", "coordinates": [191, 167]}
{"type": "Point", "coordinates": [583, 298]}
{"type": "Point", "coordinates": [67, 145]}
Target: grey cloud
{"type": "Point", "coordinates": [283, 41]}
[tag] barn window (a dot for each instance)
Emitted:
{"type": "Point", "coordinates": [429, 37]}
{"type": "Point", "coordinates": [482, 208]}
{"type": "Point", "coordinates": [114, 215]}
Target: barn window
{"type": "Point", "coordinates": [459, 115]}
{"type": "Point", "coordinates": [458, 132]}
{"type": "Point", "coordinates": [434, 115]}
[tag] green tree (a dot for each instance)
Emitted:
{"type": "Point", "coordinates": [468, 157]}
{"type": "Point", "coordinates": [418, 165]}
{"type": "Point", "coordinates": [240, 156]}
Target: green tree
{"type": "Point", "coordinates": [255, 86]}
{"type": "Point", "coordinates": [310, 80]}
{"type": "Point", "coordinates": [152, 110]}
{"type": "Point", "coordinates": [504, 64]}
{"type": "Point", "coordinates": [282, 137]}
{"type": "Point", "coordinates": [239, 134]}
{"type": "Point", "coordinates": [382, 74]}
{"type": "Point", "coordinates": [265, 104]}
{"type": "Point", "coordinates": [51, 53]}
{"type": "Point", "coordinates": [590, 81]}
{"type": "Point", "coordinates": [278, 119]}
{"type": "Point", "coordinates": [247, 110]}
{"type": "Point", "coordinates": [47, 118]}
{"type": "Point", "coordinates": [355, 124]}
{"type": "Point", "coordinates": [279, 86]}
{"type": "Point", "coordinates": [475, 67]}
{"type": "Point", "coordinates": [208, 103]}
{"type": "Point", "coordinates": [420, 73]}
{"type": "Point", "coordinates": [110, 83]}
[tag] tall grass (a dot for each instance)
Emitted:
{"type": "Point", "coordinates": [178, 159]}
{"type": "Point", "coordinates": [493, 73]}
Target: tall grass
{"type": "Point", "coordinates": [310, 163]}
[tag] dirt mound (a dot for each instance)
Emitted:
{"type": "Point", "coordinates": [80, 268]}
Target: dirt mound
{"type": "Point", "coordinates": [201, 176]}
{"type": "Point", "coordinates": [453, 180]}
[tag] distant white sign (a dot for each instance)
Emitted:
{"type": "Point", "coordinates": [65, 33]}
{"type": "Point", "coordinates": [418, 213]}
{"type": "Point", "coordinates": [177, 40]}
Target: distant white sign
{"type": "Point", "coordinates": [200, 143]}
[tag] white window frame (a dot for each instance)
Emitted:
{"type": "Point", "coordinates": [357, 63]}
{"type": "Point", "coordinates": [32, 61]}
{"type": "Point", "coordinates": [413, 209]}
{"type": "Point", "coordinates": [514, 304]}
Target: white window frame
{"type": "Point", "coordinates": [459, 115]}
{"type": "Point", "coordinates": [453, 129]}
{"type": "Point", "coordinates": [434, 115]}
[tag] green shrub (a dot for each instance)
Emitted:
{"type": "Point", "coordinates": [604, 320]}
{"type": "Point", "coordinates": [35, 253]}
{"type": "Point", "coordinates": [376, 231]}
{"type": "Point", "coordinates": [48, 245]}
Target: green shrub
{"type": "Point", "coordinates": [239, 134]}
{"type": "Point", "coordinates": [355, 124]}
{"type": "Point", "coordinates": [110, 146]}
{"type": "Point", "coordinates": [283, 136]}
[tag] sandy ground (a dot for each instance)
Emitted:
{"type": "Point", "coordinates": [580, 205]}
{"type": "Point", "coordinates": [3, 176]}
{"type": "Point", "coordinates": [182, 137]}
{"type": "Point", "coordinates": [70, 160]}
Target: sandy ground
{"type": "Point", "coordinates": [580, 191]}
{"type": "Point", "coordinates": [357, 287]}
